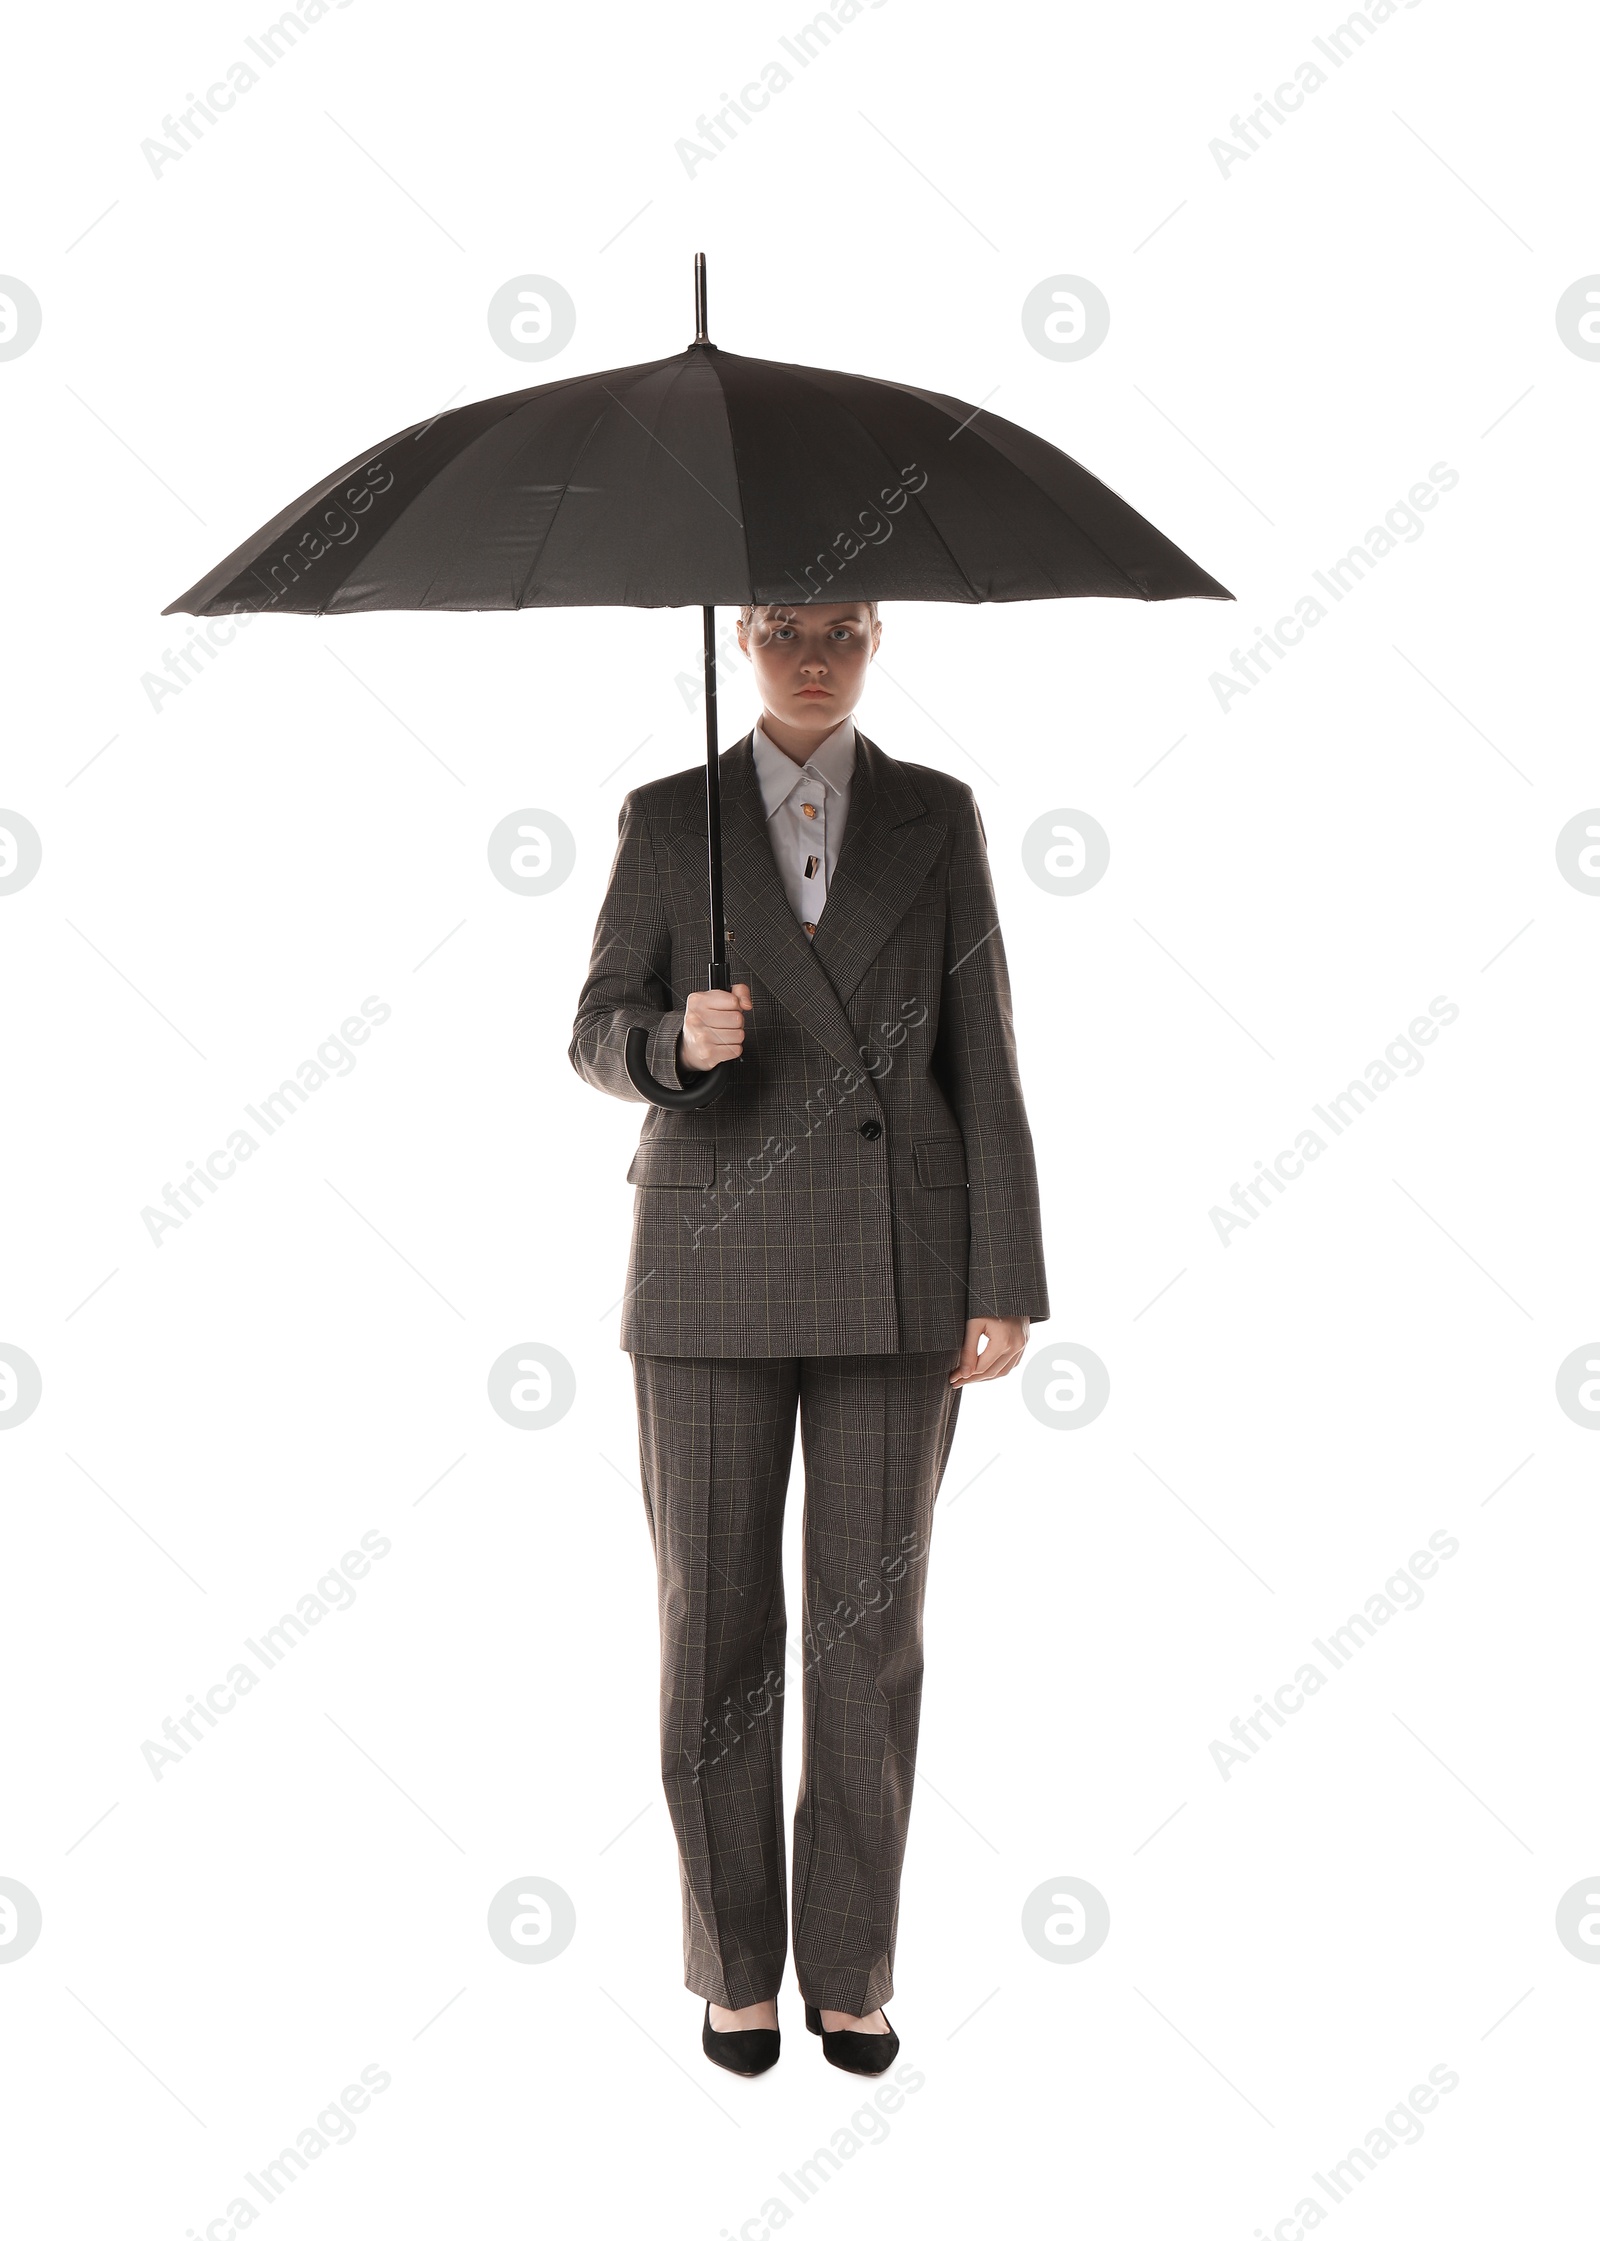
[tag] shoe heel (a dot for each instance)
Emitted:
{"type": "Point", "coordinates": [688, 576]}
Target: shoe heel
{"type": "Point", "coordinates": [814, 2020]}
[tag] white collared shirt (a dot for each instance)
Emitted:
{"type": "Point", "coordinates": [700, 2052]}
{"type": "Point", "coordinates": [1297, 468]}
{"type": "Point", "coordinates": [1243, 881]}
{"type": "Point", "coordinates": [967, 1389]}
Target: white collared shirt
{"type": "Point", "coordinates": [806, 804]}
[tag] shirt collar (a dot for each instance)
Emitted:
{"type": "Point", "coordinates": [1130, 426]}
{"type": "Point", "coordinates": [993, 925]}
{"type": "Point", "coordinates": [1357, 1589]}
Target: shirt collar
{"type": "Point", "coordinates": [833, 761]}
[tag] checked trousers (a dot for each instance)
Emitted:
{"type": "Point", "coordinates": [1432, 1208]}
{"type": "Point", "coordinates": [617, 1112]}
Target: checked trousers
{"type": "Point", "coordinates": [716, 1438]}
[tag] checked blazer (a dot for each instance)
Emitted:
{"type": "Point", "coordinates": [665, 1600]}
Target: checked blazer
{"type": "Point", "coordinates": [866, 1182]}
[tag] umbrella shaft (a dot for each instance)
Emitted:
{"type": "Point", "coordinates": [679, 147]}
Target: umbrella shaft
{"type": "Point", "coordinates": [718, 975]}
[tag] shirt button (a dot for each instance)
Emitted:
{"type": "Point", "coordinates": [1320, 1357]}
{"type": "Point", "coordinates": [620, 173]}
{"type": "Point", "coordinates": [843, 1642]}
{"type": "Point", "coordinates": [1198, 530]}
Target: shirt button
{"type": "Point", "coordinates": [808, 809]}
{"type": "Point", "coordinates": [809, 926]}
{"type": "Point", "coordinates": [871, 1130]}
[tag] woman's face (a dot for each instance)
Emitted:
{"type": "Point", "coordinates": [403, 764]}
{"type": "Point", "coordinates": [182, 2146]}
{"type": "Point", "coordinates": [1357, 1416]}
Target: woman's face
{"type": "Point", "coordinates": [810, 663]}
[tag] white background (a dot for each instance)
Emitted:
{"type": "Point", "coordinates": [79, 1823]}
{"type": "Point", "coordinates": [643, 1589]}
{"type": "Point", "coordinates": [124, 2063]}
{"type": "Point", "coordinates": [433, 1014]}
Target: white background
{"type": "Point", "coordinates": [226, 877]}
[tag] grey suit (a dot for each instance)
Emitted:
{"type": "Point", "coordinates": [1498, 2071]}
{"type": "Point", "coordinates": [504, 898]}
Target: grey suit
{"type": "Point", "coordinates": [816, 1240]}
{"type": "Point", "coordinates": [867, 1183]}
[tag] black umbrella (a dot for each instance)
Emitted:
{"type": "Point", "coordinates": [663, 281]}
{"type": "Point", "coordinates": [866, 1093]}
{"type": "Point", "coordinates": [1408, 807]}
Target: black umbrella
{"type": "Point", "coordinates": [701, 480]}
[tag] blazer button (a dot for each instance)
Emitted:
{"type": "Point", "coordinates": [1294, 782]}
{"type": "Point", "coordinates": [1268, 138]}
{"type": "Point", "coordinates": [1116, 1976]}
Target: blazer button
{"type": "Point", "coordinates": [871, 1130]}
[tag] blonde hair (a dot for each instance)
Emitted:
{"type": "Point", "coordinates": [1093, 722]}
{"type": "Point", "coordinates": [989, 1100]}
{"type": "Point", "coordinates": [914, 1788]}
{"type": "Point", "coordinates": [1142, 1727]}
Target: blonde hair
{"type": "Point", "coordinates": [747, 614]}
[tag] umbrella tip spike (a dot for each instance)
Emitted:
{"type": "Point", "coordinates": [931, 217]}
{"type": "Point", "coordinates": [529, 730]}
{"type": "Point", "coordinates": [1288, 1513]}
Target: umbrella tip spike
{"type": "Point", "coordinates": [700, 334]}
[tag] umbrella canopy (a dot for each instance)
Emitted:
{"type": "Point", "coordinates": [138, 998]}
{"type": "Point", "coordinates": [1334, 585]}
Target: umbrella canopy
{"type": "Point", "coordinates": [702, 480]}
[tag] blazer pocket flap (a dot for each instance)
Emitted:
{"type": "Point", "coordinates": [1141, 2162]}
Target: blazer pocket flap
{"type": "Point", "coordinates": [678, 1162]}
{"type": "Point", "coordinates": [941, 1162]}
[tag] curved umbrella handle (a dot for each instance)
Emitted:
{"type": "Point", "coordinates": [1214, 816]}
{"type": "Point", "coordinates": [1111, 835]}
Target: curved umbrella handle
{"type": "Point", "coordinates": [675, 1100]}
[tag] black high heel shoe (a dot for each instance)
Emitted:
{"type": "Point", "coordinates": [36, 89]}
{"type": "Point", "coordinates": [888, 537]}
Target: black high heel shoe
{"type": "Point", "coordinates": [745, 2053]}
{"type": "Point", "coordinates": [866, 2053]}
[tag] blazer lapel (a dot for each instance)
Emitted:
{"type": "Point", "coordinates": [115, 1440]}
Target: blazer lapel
{"type": "Point", "coordinates": [766, 935]}
{"type": "Point", "coordinates": [890, 842]}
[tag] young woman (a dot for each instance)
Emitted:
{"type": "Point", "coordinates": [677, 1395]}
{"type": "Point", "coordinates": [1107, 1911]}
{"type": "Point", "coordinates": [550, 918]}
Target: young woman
{"type": "Point", "coordinates": [851, 1231]}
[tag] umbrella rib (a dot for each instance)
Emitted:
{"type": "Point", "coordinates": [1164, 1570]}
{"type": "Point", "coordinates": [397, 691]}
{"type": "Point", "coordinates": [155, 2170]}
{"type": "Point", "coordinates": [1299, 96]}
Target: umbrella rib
{"type": "Point", "coordinates": [515, 404]}
{"type": "Point", "coordinates": [1092, 542]}
{"type": "Point", "coordinates": [800, 374]}
{"type": "Point", "coordinates": [978, 597]}
{"type": "Point", "coordinates": [455, 460]}
{"type": "Point", "coordinates": [247, 555]}
{"type": "Point", "coordinates": [929, 397]}
{"type": "Point", "coordinates": [415, 434]}
{"type": "Point", "coordinates": [672, 455]}
{"type": "Point", "coordinates": [528, 573]}
{"type": "Point", "coordinates": [588, 439]}
{"type": "Point", "coordinates": [541, 391]}
{"type": "Point", "coordinates": [738, 479]}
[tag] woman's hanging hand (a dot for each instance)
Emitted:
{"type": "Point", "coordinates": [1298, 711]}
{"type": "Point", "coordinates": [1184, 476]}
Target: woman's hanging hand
{"type": "Point", "coordinates": [1006, 1338]}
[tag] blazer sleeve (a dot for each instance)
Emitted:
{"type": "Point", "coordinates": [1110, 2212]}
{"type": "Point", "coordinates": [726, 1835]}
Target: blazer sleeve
{"type": "Point", "coordinates": [975, 1062]}
{"type": "Point", "coordinates": [629, 983]}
